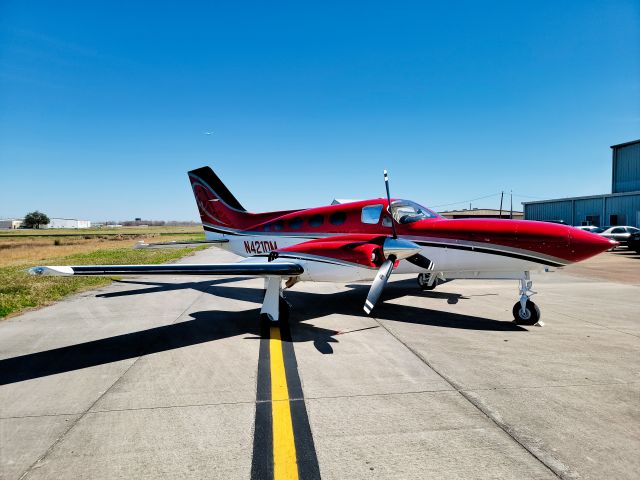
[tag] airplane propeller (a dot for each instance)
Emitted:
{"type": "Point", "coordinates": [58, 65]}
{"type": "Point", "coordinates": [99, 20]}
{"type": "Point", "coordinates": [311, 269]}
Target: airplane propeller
{"type": "Point", "coordinates": [386, 184]}
{"type": "Point", "coordinates": [378, 284]}
{"type": "Point", "coordinates": [394, 249]}
{"type": "Point", "coordinates": [417, 259]}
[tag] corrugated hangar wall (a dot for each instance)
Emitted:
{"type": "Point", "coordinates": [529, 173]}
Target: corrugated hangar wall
{"type": "Point", "coordinates": [586, 207]}
{"type": "Point", "coordinates": [626, 168]}
{"type": "Point", "coordinates": [601, 210]}
{"type": "Point", "coordinates": [559, 211]}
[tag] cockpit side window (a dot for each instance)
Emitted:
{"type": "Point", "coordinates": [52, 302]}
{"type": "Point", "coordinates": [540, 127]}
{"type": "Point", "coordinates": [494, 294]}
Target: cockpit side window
{"type": "Point", "coordinates": [405, 211]}
{"type": "Point", "coordinates": [371, 214]}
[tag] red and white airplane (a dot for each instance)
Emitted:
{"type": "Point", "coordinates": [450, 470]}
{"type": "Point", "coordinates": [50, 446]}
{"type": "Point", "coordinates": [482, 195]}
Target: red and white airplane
{"type": "Point", "coordinates": [364, 241]}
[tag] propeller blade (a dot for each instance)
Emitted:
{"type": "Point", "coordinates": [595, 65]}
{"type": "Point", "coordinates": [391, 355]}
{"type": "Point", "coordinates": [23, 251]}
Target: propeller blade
{"type": "Point", "coordinates": [386, 184]}
{"type": "Point", "coordinates": [378, 284]}
{"type": "Point", "coordinates": [420, 261]}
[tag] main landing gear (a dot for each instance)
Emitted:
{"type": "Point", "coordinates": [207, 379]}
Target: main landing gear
{"type": "Point", "coordinates": [274, 307]}
{"type": "Point", "coordinates": [428, 281]}
{"type": "Point", "coordinates": [525, 312]}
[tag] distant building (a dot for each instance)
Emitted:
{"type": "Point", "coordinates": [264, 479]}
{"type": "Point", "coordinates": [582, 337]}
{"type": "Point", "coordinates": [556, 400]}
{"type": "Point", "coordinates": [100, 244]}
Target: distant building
{"type": "Point", "coordinates": [10, 224]}
{"type": "Point", "coordinates": [68, 223]}
{"type": "Point", "coordinates": [620, 207]}
{"type": "Point", "coordinates": [481, 213]}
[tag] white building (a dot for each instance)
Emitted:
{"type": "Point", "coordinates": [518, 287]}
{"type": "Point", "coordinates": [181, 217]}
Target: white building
{"type": "Point", "coordinates": [68, 223]}
{"type": "Point", "coordinates": [10, 224]}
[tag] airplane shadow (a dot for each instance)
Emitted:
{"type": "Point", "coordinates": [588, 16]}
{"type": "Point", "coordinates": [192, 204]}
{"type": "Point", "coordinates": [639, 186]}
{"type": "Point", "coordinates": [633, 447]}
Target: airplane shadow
{"type": "Point", "coordinates": [164, 287]}
{"type": "Point", "coordinates": [207, 326]}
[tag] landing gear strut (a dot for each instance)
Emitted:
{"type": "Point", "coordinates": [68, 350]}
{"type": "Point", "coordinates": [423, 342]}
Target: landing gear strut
{"type": "Point", "coordinates": [425, 282]}
{"type": "Point", "coordinates": [274, 307]}
{"type": "Point", "coordinates": [525, 312]}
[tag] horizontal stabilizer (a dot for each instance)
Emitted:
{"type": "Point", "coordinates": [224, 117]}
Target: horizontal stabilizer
{"type": "Point", "coordinates": [174, 244]}
{"type": "Point", "coordinates": [241, 268]}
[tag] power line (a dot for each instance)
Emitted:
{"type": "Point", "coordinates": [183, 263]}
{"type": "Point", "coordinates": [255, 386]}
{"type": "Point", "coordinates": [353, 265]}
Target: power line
{"type": "Point", "coordinates": [466, 201]}
{"type": "Point", "coordinates": [516, 194]}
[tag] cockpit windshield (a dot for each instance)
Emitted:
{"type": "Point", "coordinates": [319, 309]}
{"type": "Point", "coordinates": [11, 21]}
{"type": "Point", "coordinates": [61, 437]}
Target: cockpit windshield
{"type": "Point", "coordinates": [406, 211]}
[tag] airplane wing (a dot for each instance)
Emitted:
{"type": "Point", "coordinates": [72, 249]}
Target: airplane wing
{"type": "Point", "coordinates": [325, 259]}
{"type": "Point", "coordinates": [273, 271]}
{"type": "Point", "coordinates": [278, 268]}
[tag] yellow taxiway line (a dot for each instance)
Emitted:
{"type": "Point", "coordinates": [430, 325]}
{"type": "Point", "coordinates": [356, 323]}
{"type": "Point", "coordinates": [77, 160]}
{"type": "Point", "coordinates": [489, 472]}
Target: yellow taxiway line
{"type": "Point", "coordinates": [285, 464]}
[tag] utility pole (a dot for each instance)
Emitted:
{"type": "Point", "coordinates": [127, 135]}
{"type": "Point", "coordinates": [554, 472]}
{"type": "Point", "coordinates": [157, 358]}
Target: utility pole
{"type": "Point", "coordinates": [501, 196]}
{"type": "Point", "coordinates": [511, 211]}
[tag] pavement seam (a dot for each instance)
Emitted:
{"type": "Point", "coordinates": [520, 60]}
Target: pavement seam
{"type": "Point", "coordinates": [15, 417]}
{"type": "Point", "coordinates": [534, 387]}
{"type": "Point", "coordinates": [553, 465]}
{"type": "Point", "coordinates": [73, 424]}
{"type": "Point", "coordinates": [595, 323]}
{"type": "Point", "coordinates": [319, 397]}
{"type": "Point", "coordinates": [83, 414]}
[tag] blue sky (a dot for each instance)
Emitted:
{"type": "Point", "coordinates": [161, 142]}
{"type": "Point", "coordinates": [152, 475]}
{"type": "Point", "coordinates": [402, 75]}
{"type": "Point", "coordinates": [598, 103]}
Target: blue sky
{"type": "Point", "coordinates": [104, 105]}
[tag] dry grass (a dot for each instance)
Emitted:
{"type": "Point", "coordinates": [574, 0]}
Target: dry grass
{"type": "Point", "coordinates": [20, 291]}
{"type": "Point", "coordinates": [102, 231]}
{"type": "Point", "coordinates": [17, 251]}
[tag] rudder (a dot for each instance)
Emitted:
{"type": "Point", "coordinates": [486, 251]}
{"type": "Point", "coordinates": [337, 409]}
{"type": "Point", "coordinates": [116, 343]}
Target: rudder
{"type": "Point", "coordinates": [216, 204]}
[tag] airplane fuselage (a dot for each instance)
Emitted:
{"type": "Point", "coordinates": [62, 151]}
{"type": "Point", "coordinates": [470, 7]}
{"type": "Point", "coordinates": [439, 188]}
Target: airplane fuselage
{"type": "Point", "coordinates": [465, 248]}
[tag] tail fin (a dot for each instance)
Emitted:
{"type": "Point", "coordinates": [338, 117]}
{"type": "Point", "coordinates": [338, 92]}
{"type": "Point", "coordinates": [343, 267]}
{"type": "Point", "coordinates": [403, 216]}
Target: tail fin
{"type": "Point", "coordinates": [216, 204]}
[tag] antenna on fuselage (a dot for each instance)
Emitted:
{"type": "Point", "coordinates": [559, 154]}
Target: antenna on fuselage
{"type": "Point", "coordinates": [386, 184]}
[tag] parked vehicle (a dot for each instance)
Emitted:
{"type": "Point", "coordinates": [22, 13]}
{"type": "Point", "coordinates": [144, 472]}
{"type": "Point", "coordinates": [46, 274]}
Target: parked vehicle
{"type": "Point", "coordinates": [620, 233]}
{"type": "Point", "coordinates": [590, 228]}
{"type": "Point", "coordinates": [634, 242]}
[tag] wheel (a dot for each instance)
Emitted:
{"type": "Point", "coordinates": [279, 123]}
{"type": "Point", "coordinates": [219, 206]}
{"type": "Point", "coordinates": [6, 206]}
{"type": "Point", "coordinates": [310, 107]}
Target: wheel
{"type": "Point", "coordinates": [284, 311]}
{"type": "Point", "coordinates": [423, 281]}
{"type": "Point", "coordinates": [531, 314]}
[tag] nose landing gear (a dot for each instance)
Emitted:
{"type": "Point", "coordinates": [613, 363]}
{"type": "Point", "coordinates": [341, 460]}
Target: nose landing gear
{"type": "Point", "coordinates": [525, 312]}
{"type": "Point", "coordinates": [428, 281]}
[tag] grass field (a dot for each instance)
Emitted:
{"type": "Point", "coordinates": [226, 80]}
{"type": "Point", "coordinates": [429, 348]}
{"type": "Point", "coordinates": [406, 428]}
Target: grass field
{"type": "Point", "coordinates": [20, 291]}
{"type": "Point", "coordinates": [124, 231]}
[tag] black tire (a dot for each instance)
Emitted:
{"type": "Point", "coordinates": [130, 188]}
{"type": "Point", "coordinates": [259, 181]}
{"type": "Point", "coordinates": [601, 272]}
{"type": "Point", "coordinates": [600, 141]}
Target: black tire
{"type": "Point", "coordinates": [532, 314]}
{"type": "Point", "coordinates": [285, 311]}
{"type": "Point", "coordinates": [425, 285]}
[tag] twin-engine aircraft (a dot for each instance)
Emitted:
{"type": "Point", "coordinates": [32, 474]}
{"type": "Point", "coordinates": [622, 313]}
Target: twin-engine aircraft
{"type": "Point", "coordinates": [364, 241]}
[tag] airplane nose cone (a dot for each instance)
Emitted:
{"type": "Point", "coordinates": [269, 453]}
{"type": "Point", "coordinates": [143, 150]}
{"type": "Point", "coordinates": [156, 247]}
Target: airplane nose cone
{"type": "Point", "coordinates": [585, 244]}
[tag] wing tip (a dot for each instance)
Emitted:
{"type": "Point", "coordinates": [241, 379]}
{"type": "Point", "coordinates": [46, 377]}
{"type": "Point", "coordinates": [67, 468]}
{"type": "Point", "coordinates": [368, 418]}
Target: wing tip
{"type": "Point", "coordinates": [50, 271]}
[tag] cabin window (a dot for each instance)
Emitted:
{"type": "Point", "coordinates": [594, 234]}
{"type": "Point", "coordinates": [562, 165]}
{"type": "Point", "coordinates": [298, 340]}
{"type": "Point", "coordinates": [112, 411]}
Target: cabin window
{"type": "Point", "coordinates": [278, 225]}
{"type": "Point", "coordinates": [386, 221]}
{"type": "Point", "coordinates": [295, 223]}
{"type": "Point", "coordinates": [371, 214]}
{"type": "Point", "coordinates": [316, 220]}
{"type": "Point", "coordinates": [338, 218]}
